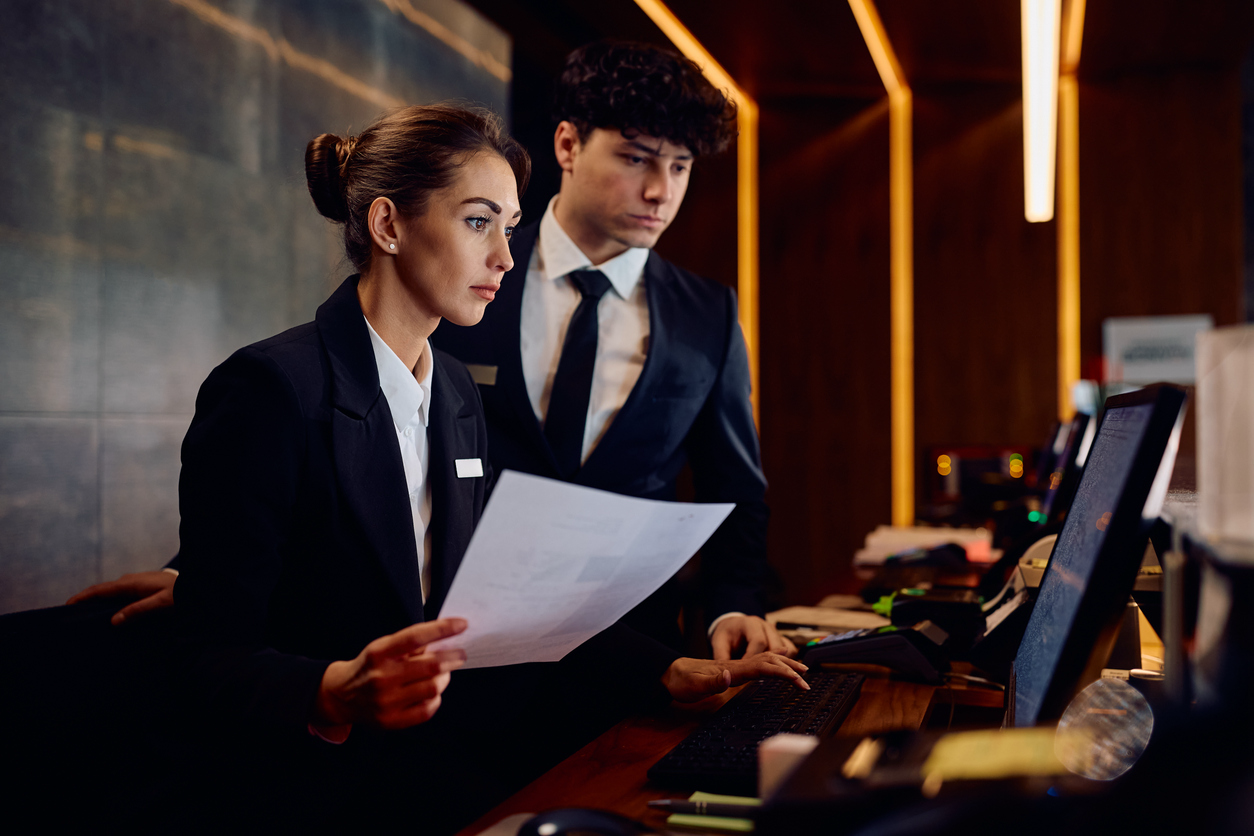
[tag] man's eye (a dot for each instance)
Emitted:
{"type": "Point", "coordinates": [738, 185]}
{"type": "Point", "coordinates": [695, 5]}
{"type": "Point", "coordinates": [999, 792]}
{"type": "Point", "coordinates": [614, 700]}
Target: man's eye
{"type": "Point", "coordinates": [478, 223]}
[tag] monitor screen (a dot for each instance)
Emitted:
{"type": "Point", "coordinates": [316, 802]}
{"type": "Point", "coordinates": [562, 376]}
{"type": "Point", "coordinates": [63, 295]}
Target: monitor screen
{"type": "Point", "coordinates": [1119, 456]}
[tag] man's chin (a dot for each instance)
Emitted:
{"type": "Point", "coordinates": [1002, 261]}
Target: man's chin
{"type": "Point", "coordinates": [638, 238]}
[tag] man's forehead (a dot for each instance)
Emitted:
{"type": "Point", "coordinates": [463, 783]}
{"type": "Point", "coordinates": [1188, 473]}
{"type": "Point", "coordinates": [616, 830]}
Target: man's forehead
{"type": "Point", "coordinates": [653, 145]}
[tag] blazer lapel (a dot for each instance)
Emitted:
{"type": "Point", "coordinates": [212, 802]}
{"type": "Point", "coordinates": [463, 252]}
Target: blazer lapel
{"type": "Point", "coordinates": [506, 328]}
{"type": "Point", "coordinates": [367, 456]}
{"type": "Point", "coordinates": [451, 435]}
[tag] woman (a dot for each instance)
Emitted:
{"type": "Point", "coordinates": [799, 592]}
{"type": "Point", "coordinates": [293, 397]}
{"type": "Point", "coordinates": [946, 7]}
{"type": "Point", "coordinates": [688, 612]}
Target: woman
{"type": "Point", "coordinates": [321, 509]}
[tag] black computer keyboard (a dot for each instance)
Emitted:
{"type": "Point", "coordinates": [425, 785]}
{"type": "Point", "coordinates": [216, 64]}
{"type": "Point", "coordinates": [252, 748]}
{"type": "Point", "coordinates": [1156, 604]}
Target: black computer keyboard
{"type": "Point", "coordinates": [722, 755]}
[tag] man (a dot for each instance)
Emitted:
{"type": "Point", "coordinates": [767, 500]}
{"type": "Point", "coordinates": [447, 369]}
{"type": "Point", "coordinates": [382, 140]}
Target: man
{"type": "Point", "coordinates": [618, 384]}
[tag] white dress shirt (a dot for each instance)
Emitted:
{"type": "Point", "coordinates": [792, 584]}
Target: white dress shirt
{"type": "Point", "coordinates": [410, 403]}
{"type": "Point", "coordinates": [548, 303]}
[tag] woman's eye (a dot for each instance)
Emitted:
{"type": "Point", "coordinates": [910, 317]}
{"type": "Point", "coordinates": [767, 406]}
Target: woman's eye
{"type": "Point", "coordinates": [478, 223]}
{"type": "Point", "coordinates": [509, 232]}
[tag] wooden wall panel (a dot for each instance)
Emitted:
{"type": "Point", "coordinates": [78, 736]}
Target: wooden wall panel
{"type": "Point", "coordinates": [985, 286]}
{"type": "Point", "coordinates": [1160, 198]}
{"type": "Point", "coordinates": [825, 336]}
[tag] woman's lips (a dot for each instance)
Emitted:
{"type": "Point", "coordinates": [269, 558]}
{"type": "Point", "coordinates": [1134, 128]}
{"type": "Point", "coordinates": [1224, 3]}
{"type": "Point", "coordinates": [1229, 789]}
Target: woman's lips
{"type": "Point", "coordinates": [486, 291]}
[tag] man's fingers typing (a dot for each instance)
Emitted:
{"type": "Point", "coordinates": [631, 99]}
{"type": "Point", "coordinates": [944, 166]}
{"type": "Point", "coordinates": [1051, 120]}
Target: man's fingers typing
{"type": "Point", "coordinates": [757, 644]}
{"type": "Point", "coordinates": [720, 643]}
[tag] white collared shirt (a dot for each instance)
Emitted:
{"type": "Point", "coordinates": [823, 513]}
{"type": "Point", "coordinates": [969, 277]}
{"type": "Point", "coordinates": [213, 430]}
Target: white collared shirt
{"type": "Point", "coordinates": [410, 403]}
{"type": "Point", "coordinates": [548, 303]}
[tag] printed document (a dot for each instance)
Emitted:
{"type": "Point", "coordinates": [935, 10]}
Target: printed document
{"type": "Point", "coordinates": [552, 564]}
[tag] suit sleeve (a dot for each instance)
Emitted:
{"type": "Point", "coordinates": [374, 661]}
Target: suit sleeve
{"type": "Point", "coordinates": [242, 459]}
{"type": "Point", "coordinates": [727, 467]}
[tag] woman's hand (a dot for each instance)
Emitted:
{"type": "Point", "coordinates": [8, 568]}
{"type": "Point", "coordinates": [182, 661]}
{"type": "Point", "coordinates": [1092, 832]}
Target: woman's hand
{"type": "Point", "coordinates": [689, 680]}
{"type": "Point", "coordinates": [155, 591]}
{"type": "Point", "coordinates": [393, 684]}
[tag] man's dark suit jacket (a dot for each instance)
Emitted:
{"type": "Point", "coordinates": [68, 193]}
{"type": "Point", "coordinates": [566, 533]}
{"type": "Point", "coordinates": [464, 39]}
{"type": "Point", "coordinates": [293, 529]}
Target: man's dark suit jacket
{"type": "Point", "coordinates": [691, 404]}
{"type": "Point", "coordinates": [297, 541]}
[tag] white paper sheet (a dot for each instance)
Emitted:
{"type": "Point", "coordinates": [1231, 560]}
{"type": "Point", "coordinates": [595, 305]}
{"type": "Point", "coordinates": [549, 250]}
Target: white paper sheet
{"type": "Point", "coordinates": [552, 564]}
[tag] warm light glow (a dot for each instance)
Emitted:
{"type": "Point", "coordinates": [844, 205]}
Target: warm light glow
{"type": "Point", "coordinates": [746, 174]}
{"type": "Point", "coordinates": [1069, 210]}
{"type": "Point", "coordinates": [944, 465]}
{"type": "Point", "coordinates": [901, 225]}
{"type": "Point", "coordinates": [1041, 23]}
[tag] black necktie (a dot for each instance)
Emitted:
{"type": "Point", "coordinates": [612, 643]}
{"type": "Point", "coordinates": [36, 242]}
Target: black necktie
{"type": "Point", "coordinates": [572, 385]}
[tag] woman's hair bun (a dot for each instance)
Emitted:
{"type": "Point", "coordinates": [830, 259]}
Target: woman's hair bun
{"type": "Point", "coordinates": [325, 159]}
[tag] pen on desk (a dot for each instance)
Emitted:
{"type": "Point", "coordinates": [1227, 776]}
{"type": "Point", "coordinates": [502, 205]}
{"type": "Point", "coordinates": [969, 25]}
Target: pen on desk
{"type": "Point", "coordinates": [706, 808]}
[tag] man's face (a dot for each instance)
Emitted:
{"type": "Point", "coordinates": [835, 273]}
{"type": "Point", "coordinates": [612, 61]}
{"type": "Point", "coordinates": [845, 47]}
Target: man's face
{"type": "Point", "coordinates": [618, 192]}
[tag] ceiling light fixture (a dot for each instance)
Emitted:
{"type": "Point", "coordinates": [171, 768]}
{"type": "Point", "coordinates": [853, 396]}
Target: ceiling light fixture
{"type": "Point", "coordinates": [1041, 24]}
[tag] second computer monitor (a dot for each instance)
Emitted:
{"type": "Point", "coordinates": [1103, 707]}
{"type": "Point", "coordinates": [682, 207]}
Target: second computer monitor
{"type": "Point", "coordinates": [1095, 559]}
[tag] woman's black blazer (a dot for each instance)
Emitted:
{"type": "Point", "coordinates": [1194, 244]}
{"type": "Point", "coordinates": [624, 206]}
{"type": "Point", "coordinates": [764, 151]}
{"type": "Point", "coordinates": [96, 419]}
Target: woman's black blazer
{"type": "Point", "coordinates": [296, 539]}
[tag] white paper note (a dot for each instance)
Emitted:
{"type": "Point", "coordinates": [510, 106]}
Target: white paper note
{"type": "Point", "coordinates": [552, 564]}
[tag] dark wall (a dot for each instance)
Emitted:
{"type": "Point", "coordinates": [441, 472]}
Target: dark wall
{"type": "Point", "coordinates": [824, 335]}
{"type": "Point", "coordinates": [153, 218]}
{"type": "Point", "coordinates": [985, 279]}
{"type": "Point", "coordinates": [1161, 217]}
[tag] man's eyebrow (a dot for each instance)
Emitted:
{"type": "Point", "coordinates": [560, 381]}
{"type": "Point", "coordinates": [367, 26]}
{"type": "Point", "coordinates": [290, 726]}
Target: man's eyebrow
{"type": "Point", "coordinates": [654, 152]}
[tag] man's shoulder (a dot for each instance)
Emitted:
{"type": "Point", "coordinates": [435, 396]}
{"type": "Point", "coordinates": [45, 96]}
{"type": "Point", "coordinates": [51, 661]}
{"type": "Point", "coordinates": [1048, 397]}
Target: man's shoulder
{"type": "Point", "coordinates": [670, 277]}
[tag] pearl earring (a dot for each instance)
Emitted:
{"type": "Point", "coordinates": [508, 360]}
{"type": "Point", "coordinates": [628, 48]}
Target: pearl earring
{"type": "Point", "coordinates": [391, 246]}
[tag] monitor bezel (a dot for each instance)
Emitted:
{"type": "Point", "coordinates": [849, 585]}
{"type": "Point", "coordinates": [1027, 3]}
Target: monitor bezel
{"type": "Point", "coordinates": [1100, 611]}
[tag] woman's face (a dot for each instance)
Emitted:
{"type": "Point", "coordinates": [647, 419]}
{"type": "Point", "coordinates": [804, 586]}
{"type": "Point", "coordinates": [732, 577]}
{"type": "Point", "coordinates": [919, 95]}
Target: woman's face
{"type": "Point", "coordinates": [451, 258]}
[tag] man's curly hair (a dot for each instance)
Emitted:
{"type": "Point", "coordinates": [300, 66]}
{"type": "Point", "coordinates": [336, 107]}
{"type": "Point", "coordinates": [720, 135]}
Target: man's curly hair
{"type": "Point", "coordinates": [643, 89]}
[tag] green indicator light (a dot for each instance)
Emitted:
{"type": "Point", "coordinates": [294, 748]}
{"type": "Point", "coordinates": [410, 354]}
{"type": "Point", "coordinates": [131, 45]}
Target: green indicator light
{"type": "Point", "coordinates": [1035, 516]}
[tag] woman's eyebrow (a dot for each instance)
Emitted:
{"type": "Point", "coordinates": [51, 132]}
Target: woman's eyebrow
{"type": "Point", "coordinates": [491, 204]}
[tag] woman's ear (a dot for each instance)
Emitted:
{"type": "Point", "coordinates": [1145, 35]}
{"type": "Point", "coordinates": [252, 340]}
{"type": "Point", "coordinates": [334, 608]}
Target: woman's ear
{"type": "Point", "coordinates": [383, 223]}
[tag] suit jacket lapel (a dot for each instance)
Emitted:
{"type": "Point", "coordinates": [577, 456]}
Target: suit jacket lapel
{"type": "Point", "coordinates": [367, 456]}
{"type": "Point", "coordinates": [505, 314]}
{"type": "Point", "coordinates": [451, 434]}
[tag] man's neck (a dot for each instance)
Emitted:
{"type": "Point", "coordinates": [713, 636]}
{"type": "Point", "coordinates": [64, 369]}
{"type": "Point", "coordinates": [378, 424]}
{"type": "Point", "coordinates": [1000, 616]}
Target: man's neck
{"type": "Point", "coordinates": [598, 247]}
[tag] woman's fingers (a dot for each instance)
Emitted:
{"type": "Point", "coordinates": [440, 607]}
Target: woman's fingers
{"type": "Point", "coordinates": [414, 637]}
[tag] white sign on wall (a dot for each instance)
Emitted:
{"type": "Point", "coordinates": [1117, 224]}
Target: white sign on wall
{"type": "Point", "coordinates": [1152, 349]}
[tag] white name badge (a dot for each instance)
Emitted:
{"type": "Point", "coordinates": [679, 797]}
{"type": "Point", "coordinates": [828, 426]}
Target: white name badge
{"type": "Point", "coordinates": [468, 468]}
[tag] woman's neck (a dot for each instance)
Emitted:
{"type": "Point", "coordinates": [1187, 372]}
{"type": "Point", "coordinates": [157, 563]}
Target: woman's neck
{"type": "Point", "coordinates": [396, 316]}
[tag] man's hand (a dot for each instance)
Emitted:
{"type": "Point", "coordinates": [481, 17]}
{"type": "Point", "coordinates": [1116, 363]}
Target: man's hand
{"type": "Point", "coordinates": [689, 680]}
{"type": "Point", "coordinates": [393, 684]}
{"type": "Point", "coordinates": [155, 591]}
{"type": "Point", "coordinates": [748, 635]}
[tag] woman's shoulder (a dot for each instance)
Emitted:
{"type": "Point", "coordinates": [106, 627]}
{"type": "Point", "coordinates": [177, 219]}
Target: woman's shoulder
{"type": "Point", "coordinates": [294, 357]}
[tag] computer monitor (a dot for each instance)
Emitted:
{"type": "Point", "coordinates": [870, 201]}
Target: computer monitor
{"type": "Point", "coordinates": [1068, 467]}
{"type": "Point", "coordinates": [1090, 575]}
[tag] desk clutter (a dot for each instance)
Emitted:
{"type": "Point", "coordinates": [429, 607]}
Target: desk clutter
{"type": "Point", "coordinates": [1108, 650]}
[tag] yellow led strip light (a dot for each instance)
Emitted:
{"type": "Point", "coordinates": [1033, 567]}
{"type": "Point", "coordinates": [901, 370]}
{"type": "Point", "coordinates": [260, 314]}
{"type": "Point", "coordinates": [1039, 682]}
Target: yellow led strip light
{"type": "Point", "coordinates": [1069, 209]}
{"type": "Point", "coordinates": [901, 220]}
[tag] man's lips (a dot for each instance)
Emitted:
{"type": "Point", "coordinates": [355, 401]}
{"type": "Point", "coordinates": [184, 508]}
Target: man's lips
{"type": "Point", "coordinates": [486, 291]}
{"type": "Point", "coordinates": [650, 221]}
